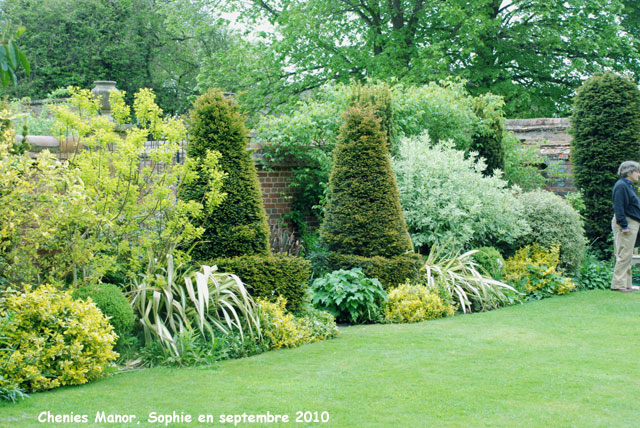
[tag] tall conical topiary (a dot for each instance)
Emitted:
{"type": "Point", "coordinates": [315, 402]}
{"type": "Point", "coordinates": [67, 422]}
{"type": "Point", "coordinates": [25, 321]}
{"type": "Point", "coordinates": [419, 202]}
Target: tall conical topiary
{"type": "Point", "coordinates": [489, 132]}
{"type": "Point", "coordinates": [238, 226]}
{"type": "Point", "coordinates": [606, 131]}
{"type": "Point", "coordinates": [363, 215]}
{"type": "Point", "coordinates": [379, 99]}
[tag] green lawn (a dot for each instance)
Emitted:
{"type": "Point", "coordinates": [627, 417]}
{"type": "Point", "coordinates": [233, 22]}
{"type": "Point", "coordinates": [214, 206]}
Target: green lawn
{"type": "Point", "coordinates": [566, 361]}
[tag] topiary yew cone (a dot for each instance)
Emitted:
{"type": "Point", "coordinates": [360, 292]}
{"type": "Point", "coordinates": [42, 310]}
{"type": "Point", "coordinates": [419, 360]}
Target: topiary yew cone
{"type": "Point", "coordinates": [606, 131]}
{"type": "Point", "coordinates": [238, 226]}
{"type": "Point", "coordinates": [363, 215]}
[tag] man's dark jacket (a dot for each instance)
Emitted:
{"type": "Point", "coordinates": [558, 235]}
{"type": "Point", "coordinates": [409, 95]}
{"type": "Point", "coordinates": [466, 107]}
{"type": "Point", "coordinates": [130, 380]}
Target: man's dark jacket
{"type": "Point", "coordinates": [626, 204]}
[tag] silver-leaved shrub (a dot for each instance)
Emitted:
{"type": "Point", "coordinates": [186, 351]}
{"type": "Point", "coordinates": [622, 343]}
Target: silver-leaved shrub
{"type": "Point", "coordinates": [445, 197]}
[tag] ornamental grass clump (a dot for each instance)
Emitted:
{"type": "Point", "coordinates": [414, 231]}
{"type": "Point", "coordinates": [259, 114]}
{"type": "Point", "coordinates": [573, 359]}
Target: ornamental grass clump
{"type": "Point", "coordinates": [53, 340]}
{"type": "Point", "coordinates": [414, 303]}
{"type": "Point", "coordinates": [457, 276]}
{"type": "Point", "coordinates": [208, 303]}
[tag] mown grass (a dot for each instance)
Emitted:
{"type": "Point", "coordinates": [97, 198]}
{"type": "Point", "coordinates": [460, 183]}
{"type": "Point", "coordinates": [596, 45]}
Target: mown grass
{"type": "Point", "coordinates": [570, 361]}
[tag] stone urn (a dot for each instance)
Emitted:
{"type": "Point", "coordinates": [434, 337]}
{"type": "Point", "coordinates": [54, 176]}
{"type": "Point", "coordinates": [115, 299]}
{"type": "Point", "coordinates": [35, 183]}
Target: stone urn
{"type": "Point", "coordinates": [101, 91]}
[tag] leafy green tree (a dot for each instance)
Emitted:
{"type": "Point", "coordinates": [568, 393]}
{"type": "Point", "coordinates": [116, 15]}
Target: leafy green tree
{"type": "Point", "coordinates": [532, 52]}
{"type": "Point", "coordinates": [606, 132]}
{"type": "Point", "coordinates": [363, 216]}
{"type": "Point", "coordinates": [138, 43]}
{"type": "Point", "coordinates": [79, 220]}
{"type": "Point", "coordinates": [254, 72]}
{"type": "Point", "coordinates": [631, 24]}
{"type": "Point", "coordinates": [239, 226]}
{"type": "Point", "coordinates": [488, 138]}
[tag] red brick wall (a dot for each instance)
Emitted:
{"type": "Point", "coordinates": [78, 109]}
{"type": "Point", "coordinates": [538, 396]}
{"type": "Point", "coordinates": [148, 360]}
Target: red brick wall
{"type": "Point", "coordinates": [276, 193]}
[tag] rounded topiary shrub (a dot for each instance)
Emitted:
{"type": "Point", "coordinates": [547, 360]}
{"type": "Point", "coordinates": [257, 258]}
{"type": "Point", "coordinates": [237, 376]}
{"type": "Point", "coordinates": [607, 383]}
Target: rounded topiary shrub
{"type": "Point", "coordinates": [57, 340]}
{"type": "Point", "coordinates": [238, 226]}
{"type": "Point", "coordinates": [606, 131]}
{"type": "Point", "coordinates": [363, 216]}
{"type": "Point", "coordinates": [110, 300]}
{"type": "Point", "coordinates": [554, 221]}
{"type": "Point", "coordinates": [491, 261]}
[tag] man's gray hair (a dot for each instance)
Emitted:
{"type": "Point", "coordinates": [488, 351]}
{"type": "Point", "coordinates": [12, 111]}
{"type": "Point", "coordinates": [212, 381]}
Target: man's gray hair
{"type": "Point", "coordinates": [627, 167]}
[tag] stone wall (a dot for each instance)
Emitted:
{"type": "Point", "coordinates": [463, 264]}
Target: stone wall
{"type": "Point", "coordinates": [555, 147]}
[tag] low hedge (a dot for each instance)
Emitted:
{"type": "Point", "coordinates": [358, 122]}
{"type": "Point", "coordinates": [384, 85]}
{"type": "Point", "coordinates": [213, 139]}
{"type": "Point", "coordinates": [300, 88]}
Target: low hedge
{"type": "Point", "coordinates": [270, 276]}
{"type": "Point", "coordinates": [391, 271]}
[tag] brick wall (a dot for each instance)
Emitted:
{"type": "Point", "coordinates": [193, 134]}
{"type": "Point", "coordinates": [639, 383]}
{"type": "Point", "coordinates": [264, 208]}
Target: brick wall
{"type": "Point", "coordinates": [276, 192]}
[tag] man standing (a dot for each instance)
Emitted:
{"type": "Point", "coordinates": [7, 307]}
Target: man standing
{"type": "Point", "coordinates": [625, 224]}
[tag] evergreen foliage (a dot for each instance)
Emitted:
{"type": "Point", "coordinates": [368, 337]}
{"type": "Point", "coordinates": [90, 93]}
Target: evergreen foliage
{"type": "Point", "coordinates": [239, 225]}
{"type": "Point", "coordinates": [363, 214]}
{"type": "Point", "coordinates": [489, 133]}
{"type": "Point", "coordinates": [271, 276]}
{"type": "Point", "coordinates": [137, 43]}
{"type": "Point", "coordinates": [53, 340]}
{"type": "Point", "coordinates": [378, 98]}
{"type": "Point", "coordinates": [113, 304]}
{"type": "Point", "coordinates": [490, 259]}
{"type": "Point", "coordinates": [606, 132]}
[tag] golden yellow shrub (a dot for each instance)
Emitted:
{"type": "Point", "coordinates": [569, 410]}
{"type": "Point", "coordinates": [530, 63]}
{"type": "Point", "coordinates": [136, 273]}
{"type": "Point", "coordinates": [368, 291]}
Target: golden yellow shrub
{"type": "Point", "coordinates": [54, 340]}
{"type": "Point", "coordinates": [414, 303]}
{"type": "Point", "coordinates": [279, 327]}
{"type": "Point", "coordinates": [532, 269]}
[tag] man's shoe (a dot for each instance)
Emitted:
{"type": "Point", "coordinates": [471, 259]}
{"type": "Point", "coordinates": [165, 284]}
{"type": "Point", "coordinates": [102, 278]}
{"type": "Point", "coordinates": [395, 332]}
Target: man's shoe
{"type": "Point", "coordinates": [634, 288]}
{"type": "Point", "coordinates": [622, 290]}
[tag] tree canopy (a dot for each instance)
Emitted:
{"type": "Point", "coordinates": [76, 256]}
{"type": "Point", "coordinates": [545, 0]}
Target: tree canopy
{"type": "Point", "coordinates": [533, 52]}
{"type": "Point", "coordinates": [156, 44]}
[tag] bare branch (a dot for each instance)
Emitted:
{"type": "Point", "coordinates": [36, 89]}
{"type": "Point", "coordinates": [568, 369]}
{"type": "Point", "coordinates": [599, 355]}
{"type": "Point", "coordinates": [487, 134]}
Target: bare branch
{"type": "Point", "coordinates": [264, 6]}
